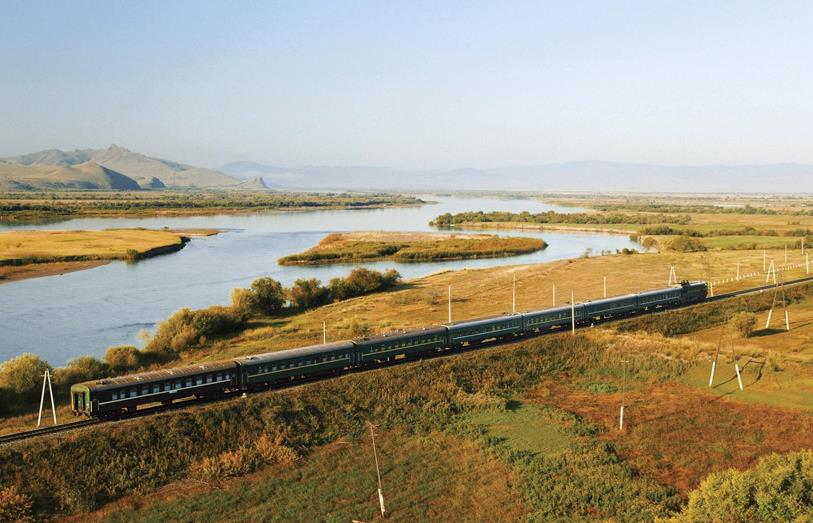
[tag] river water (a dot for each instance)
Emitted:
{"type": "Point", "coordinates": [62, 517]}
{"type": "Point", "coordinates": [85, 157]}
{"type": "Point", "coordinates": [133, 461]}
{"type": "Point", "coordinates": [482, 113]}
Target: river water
{"type": "Point", "coordinates": [84, 312]}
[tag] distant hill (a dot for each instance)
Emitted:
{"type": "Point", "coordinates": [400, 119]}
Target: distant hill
{"type": "Point", "coordinates": [570, 176]}
{"type": "Point", "coordinates": [137, 166]}
{"type": "Point", "coordinates": [82, 176]}
{"type": "Point", "coordinates": [255, 184]}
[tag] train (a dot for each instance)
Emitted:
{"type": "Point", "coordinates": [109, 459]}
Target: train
{"type": "Point", "coordinates": [118, 396]}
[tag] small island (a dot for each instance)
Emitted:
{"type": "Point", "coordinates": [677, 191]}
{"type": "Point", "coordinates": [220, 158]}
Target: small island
{"type": "Point", "coordinates": [411, 247]}
{"type": "Point", "coordinates": [33, 253]}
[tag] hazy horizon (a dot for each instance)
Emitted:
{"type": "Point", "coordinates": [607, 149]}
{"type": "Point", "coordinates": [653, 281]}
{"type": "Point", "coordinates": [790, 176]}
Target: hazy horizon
{"type": "Point", "coordinates": [411, 85]}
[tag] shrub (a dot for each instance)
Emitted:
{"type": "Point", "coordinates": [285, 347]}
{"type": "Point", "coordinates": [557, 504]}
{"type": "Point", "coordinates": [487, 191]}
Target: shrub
{"type": "Point", "coordinates": [306, 294]}
{"type": "Point", "coordinates": [686, 244]}
{"type": "Point", "coordinates": [778, 488]}
{"type": "Point", "coordinates": [15, 505]}
{"type": "Point", "coordinates": [360, 282]}
{"type": "Point", "coordinates": [22, 376]}
{"type": "Point", "coordinates": [83, 368]}
{"type": "Point", "coordinates": [123, 358]}
{"type": "Point", "coordinates": [264, 296]}
{"type": "Point", "coordinates": [132, 255]}
{"type": "Point", "coordinates": [188, 328]}
{"type": "Point", "coordinates": [744, 323]}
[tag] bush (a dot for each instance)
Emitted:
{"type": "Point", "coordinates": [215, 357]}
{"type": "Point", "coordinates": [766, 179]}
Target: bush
{"type": "Point", "coordinates": [265, 296]}
{"type": "Point", "coordinates": [22, 377]}
{"type": "Point", "coordinates": [778, 488]}
{"type": "Point", "coordinates": [306, 294]}
{"type": "Point", "coordinates": [361, 282]}
{"type": "Point", "coordinates": [83, 368]}
{"type": "Point", "coordinates": [123, 358]}
{"type": "Point", "coordinates": [15, 505]}
{"type": "Point", "coordinates": [247, 458]}
{"type": "Point", "coordinates": [132, 255]}
{"type": "Point", "coordinates": [188, 328]}
{"type": "Point", "coordinates": [744, 322]}
{"type": "Point", "coordinates": [686, 244]}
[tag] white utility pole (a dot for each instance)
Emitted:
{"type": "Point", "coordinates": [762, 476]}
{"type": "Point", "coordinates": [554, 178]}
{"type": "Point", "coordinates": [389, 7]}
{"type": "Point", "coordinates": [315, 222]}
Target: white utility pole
{"type": "Point", "coordinates": [605, 286]}
{"type": "Point", "coordinates": [623, 398]}
{"type": "Point", "coordinates": [572, 314]}
{"type": "Point", "coordinates": [46, 378]}
{"type": "Point", "coordinates": [324, 332]}
{"type": "Point", "coordinates": [378, 472]}
{"type": "Point", "coordinates": [672, 275]}
{"type": "Point", "coordinates": [554, 295]}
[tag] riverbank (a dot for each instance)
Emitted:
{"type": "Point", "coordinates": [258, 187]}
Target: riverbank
{"type": "Point", "coordinates": [45, 207]}
{"type": "Point", "coordinates": [624, 229]}
{"type": "Point", "coordinates": [32, 254]}
{"type": "Point", "coordinates": [411, 247]}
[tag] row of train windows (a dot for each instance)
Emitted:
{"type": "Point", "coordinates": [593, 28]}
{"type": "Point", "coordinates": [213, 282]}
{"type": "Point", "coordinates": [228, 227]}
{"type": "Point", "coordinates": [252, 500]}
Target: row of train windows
{"type": "Point", "coordinates": [409, 343]}
{"type": "Point", "coordinates": [294, 364]}
{"type": "Point", "coordinates": [559, 316]}
{"type": "Point", "coordinates": [166, 386]}
{"type": "Point", "coordinates": [490, 328]}
{"type": "Point", "coordinates": [652, 299]}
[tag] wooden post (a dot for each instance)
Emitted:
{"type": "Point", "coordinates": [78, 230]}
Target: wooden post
{"type": "Point", "coordinates": [554, 295]}
{"type": "Point", "coordinates": [711, 377]}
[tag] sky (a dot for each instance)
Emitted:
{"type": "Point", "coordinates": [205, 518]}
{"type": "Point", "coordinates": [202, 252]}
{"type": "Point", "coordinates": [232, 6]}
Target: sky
{"type": "Point", "coordinates": [436, 84]}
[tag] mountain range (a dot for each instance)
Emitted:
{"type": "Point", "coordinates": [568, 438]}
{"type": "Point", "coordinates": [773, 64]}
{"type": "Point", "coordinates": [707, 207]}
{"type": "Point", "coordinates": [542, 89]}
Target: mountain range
{"type": "Point", "coordinates": [107, 169]}
{"type": "Point", "coordinates": [569, 176]}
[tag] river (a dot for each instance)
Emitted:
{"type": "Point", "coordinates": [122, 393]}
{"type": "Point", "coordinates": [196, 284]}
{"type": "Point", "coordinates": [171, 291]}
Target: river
{"type": "Point", "coordinates": [84, 312]}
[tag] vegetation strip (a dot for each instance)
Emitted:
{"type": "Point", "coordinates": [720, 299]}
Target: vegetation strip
{"type": "Point", "coordinates": [410, 248]}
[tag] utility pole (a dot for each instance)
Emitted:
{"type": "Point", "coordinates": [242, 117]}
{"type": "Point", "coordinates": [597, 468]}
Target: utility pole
{"type": "Point", "coordinates": [46, 378]}
{"type": "Point", "coordinates": [554, 295]}
{"type": "Point", "coordinates": [605, 286]}
{"type": "Point", "coordinates": [324, 332]}
{"type": "Point", "coordinates": [572, 314]}
{"type": "Point", "coordinates": [377, 471]}
{"type": "Point", "coordinates": [450, 304]}
{"type": "Point", "coordinates": [623, 396]}
{"type": "Point", "coordinates": [514, 295]}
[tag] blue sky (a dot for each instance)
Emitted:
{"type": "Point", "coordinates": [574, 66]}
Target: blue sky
{"type": "Point", "coordinates": [411, 84]}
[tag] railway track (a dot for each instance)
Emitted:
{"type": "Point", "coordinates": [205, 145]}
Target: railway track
{"type": "Point", "coordinates": [19, 436]}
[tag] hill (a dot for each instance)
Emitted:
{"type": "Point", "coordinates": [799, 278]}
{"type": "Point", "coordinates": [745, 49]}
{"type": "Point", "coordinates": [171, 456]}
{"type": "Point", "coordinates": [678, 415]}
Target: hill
{"type": "Point", "coordinates": [592, 176]}
{"type": "Point", "coordinates": [83, 176]}
{"type": "Point", "coordinates": [137, 166]}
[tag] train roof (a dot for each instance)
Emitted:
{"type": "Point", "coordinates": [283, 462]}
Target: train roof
{"type": "Point", "coordinates": [562, 308]}
{"type": "Point", "coordinates": [158, 375]}
{"type": "Point", "coordinates": [295, 353]}
{"type": "Point", "coordinates": [401, 335]}
{"type": "Point", "coordinates": [483, 321]}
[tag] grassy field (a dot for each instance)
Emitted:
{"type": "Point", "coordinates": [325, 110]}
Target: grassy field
{"type": "Point", "coordinates": [406, 247]}
{"type": "Point", "coordinates": [434, 477]}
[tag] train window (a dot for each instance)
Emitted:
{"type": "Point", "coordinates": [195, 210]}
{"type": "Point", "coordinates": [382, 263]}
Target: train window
{"type": "Point", "coordinates": [188, 382]}
{"type": "Point", "coordinates": [156, 388]}
{"type": "Point", "coordinates": [219, 376]}
{"type": "Point", "coordinates": [115, 395]}
{"type": "Point", "coordinates": [226, 376]}
{"type": "Point", "coordinates": [208, 378]}
{"type": "Point", "coordinates": [199, 380]}
{"type": "Point", "coordinates": [133, 392]}
{"type": "Point", "coordinates": [178, 384]}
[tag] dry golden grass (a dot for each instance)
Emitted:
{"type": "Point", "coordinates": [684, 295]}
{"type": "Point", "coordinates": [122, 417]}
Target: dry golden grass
{"type": "Point", "coordinates": [74, 245]}
{"type": "Point", "coordinates": [485, 292]}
